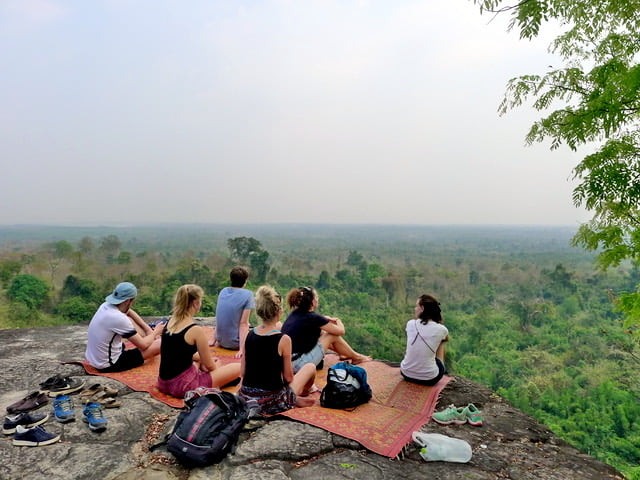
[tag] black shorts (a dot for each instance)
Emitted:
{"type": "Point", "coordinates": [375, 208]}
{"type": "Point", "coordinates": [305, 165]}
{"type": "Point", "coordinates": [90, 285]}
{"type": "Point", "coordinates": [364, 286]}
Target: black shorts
{"type": "Point", "coordinates": [431, 382]}
{"type": "Point", "coordinates": [127, 360]}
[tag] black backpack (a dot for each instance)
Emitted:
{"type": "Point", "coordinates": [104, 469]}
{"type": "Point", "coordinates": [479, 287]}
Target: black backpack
{"type": "Point", "coordinates": [346, 387]}
{"type": "Point", "coordinates": [208, 428]}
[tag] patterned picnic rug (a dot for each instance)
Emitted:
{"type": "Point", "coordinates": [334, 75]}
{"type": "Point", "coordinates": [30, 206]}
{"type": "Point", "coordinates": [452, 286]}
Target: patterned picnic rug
{"type": "Point", "coordinates": [383, 425]}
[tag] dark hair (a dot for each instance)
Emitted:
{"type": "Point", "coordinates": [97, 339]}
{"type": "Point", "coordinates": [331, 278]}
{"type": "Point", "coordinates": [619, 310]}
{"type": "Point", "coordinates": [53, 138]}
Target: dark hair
{"type": "Point", "coordinates": [301, 297]}
{"type": "Point", "coordinates": [431, 309]}
{"type": "Point", "coordinates": [239, 276]}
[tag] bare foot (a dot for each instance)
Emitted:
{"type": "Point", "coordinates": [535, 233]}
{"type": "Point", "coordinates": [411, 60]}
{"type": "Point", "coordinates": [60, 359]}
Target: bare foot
{"type": "Point", "coordinates": [361, 359]}
{"type": "Point", "coordinates": [312, 389]}
{"type": "Point", "coordinates": [302, 402]}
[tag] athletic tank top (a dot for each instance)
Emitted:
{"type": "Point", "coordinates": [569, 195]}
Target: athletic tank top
{"type": "Point", "coordinates": [176, 355]}
{"type": "Point", "coordinates": [263, 364]}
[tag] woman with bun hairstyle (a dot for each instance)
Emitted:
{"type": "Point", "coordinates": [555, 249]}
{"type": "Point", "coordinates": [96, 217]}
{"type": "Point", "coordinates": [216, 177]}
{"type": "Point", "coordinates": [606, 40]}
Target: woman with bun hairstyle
{"type": "Point", "coordinates": [423, 361]}
{"type": "Point", "coordinates": [186, 361]}
{"type": "Point", "coordinates": [267, 372]}
{"type": "Point", "coordinates": [313, 334]}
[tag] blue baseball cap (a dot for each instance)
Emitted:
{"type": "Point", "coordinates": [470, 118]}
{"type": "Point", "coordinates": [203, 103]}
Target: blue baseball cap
{"type": "Point", "coordinates": [124, 291]}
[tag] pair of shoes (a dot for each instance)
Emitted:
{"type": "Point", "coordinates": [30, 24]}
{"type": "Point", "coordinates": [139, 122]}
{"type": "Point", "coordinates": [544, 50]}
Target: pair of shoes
{"type": "Point", "coordinates": [101, 394]}
{"type": "Point", "coordinates": [26, 420]}
{"type": "Point", "coordinates": [96, 392]}
{"type": "Point", "coordinates": [59, 385]}
{"type": "Point", "coordinates": [33, 437]}
{"type": "Point", "coordinates": [63, 409]}
{"type": "Point", "coordinates": [459, 415]}
{"type": "Point", "coordinates": [93, 416]}
{"type": "Point", "coordinates": [30, 402]}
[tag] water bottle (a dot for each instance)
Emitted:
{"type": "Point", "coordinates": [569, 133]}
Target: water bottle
{"type": "Point", "coordinates": [440, 448]}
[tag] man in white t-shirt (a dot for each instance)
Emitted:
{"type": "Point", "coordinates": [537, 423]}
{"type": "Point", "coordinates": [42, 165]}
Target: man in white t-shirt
{"type": "Point", "coordinates": [114, 322]}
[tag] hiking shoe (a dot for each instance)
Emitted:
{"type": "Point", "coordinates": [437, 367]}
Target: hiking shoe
{"type": "Point", "coordinates": [33, 437]}
{"type": "Point", "coordinates": [64, 385]}
{"type": "Point", "coordinates": [26, 420]}
{"type": "Point", "coordinates": [92, 414]}
{"type": "Point", "coordinates": [30, 402]}
{"type": "Point", "coordinates": [451, 414]}
{"type": "Point", "coordinates": [63, 409]}
{"type": "Point", "coordinates": [473, 415]}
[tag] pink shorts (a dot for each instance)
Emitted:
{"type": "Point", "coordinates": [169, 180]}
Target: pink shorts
{"type": "Point", "coordinates": [190, 379]}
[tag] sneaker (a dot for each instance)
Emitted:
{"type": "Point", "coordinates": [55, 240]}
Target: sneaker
{"type": "Point", "coordinates": [63, 409]}
{"type": "Point", "coordinates": [92, 414]}
{"type": "Point", "coordinates": [33, 437]}
{"type": "Point", "coordinates": [473, 415]}
{"type": "Point", "coordinates": [46, 385]}
{"type": "Point", "coordinates": [64, 385]}
{"type": "Point", "coordinates": [26, 420]}
{"type": "Point", "coordinates": [30, 402]}
{"type": "Point", "coordinates": [451, 414]}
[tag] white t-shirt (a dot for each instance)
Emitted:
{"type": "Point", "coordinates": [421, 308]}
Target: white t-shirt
{"type": "Point", "coordinates": [419, 360]}
{"type": "Point", "coordinates": [104, 338]}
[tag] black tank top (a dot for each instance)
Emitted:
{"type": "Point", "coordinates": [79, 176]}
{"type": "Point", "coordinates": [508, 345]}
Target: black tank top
{"type": "Point", "coordinates": [176, 355]}
{"type": "Point", "coordinates": [263, 363]}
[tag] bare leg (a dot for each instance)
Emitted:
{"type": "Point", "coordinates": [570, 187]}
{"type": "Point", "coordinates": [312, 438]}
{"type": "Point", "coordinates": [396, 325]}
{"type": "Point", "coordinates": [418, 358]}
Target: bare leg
{"type": "Point", "coordinates": [152, 350]}
{"type": "Point", "coordinates": [302, 382]}
{"type": "Point", "coordinates": [225, 374]}
{"type": "Point", "coordinates": [342, 348]}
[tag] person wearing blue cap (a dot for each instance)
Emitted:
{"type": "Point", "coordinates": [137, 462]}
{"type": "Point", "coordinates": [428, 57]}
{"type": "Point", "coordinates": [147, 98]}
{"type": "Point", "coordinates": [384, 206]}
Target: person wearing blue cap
{"type": "Point", "coordinates": [114, 322]}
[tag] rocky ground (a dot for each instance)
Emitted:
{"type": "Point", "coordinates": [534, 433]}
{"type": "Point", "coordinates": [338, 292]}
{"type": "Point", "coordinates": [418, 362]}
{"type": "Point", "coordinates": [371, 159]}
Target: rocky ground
{"type": "Point", "coordinates": [510, 445]}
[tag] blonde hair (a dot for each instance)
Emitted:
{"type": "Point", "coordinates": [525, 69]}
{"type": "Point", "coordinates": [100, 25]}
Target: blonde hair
{"type": "Point", "coordinates": [268, 303]}
{"type": "Point", "coordinates": [183, 300]}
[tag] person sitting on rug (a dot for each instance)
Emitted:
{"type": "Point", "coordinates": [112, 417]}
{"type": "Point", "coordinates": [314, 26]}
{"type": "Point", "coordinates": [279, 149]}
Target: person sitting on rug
{"type": "Point", "coordinates": [114, 321]}
{"type": "Point", "coordinates": [233, 311]}
{"type": "Point", "coordinates": [423, 361]}
{"type": "Point", "coordinates": [186, 361]}
{"type": "Point", "coordinates": [313, 334]}
{"type": "Point", "coordinates": [267, 371]}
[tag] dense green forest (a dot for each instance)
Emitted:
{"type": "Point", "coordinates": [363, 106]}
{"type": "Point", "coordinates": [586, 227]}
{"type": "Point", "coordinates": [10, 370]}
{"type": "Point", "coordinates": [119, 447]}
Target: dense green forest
{"type": "Point", "coordinates": [528, 315]}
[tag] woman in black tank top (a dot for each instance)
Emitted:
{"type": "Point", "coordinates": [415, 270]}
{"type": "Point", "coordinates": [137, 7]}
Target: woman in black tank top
{"type": "Point", "coordinates": [267, 371]}
{"type": "Point", "coordinates": [186, 361]}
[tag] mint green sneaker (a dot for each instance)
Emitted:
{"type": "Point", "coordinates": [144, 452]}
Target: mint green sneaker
{"type": "Point", "coordinates": [451, 414]}
{"type": "Point", "coordinates": [472, 414]}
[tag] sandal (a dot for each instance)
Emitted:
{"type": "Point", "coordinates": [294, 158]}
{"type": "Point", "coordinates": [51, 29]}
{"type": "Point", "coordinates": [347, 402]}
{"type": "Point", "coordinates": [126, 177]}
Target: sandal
{"type": "Point", "coordinates": [90, 391]}
{"type": "Point", "coordinates": [110, 402]}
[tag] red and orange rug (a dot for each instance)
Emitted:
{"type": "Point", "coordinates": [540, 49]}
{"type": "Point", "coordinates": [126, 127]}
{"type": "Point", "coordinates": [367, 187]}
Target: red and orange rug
{"type": "Point", "coordinates": [384, 425]}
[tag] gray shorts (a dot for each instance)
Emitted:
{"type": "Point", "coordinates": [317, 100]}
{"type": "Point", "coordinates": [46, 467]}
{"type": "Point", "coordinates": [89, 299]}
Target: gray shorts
{"type": "Point", "coordinates": [315, 356]}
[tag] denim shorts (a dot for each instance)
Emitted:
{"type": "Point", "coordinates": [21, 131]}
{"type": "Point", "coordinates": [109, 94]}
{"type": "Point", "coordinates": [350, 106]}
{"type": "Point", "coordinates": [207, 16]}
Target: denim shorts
{"type": "Point", "coordinates": [315, 356]}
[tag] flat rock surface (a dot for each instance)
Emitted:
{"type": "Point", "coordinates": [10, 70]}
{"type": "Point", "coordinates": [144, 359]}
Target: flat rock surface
{"type": "Point", "coordinates": [509, 445]}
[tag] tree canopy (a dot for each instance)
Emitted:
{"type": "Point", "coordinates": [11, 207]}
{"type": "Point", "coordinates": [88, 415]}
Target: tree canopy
{"type": "Point", "coordinates": [593, 100]}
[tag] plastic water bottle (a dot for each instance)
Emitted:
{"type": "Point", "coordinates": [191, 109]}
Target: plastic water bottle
{"type": "Point", "coordinates": [440, 448]}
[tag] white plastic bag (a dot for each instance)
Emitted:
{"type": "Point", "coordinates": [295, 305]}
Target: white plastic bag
{"type": "Point", "coordinates": [440, 448]}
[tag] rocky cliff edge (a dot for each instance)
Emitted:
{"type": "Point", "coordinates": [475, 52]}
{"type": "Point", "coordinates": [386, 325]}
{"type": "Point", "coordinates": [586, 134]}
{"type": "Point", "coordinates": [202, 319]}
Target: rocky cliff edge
{"type": "Point", "coordinates": [510, 445]}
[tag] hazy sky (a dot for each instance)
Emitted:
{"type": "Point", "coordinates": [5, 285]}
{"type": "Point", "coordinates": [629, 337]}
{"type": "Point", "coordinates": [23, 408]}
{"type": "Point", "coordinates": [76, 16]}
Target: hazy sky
{"type": "Point", "coordinates": [340, 111]}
